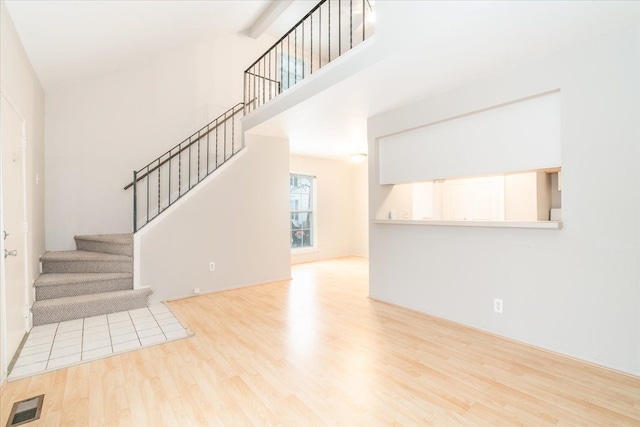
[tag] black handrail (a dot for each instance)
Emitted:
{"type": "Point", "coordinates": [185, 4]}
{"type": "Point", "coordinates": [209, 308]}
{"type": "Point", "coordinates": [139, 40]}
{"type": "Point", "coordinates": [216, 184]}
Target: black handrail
{"type": "Point", "coordinates": [316, 7]}
{"type": "Point", "coordinates": [258, 76]}
{"type": "Point", "coordinates": [200, 136]}
{"type": "Point", "coordinates": [210, 140]}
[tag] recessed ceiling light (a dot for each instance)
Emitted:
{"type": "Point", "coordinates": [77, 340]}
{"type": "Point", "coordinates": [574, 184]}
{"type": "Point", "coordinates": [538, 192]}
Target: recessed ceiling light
{"type": "Point", "coordinates": [358, 157]}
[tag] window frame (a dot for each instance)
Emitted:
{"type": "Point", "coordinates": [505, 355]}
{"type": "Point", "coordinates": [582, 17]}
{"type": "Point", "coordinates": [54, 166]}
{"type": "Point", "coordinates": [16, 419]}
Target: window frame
{"type": "Point", "coordinates": [313, 212]}
{"type": "Point", "coordinates": [300, 70]}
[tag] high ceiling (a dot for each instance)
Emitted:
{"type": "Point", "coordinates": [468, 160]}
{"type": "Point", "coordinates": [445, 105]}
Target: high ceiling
{"type": "Point", "coordinates": [70, 40]}
{"type": "Point", "coordinates": [438, 45]}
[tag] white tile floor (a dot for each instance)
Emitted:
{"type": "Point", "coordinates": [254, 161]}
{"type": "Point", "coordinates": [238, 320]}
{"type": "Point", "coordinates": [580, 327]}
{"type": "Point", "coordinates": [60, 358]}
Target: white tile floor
{"type": "Point", "coordinates": [58, 345]}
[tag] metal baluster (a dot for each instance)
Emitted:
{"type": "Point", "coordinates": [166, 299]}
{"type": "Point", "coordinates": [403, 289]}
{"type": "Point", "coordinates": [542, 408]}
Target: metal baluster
{"type": "Point", "coordinates": [189, 186]}
{"type": "Point", "coordinates": [350, 24]}
{"type": "Point", "coordinates": [225, 136]}
{"type": "Point", "coordinates": [159, 185]}
{"type": "Point", "coordinates": [209, 132]}
{"type": "Point", "coordinates": [147, 220]}
{"type": "Point", "coordinates": [179, 170]}
{"type": "Point", "coordinates": [311, 37]}
{"type": "Point", "coordinates": [170, 161]}
{"type": "Point", "coordinates": [319, 37]}
{"type": "Point", "coordinates": [288, 60]}
{"type": "Point", "coordinates": [254, 89]}
{"type": "Point", "coordinates": [329, 4]}
{"type": "Point", "coordinates": [198, 156]}
{"type": "Point", "coordinates": [364, 21]}
{"type": "Point", "coordinates": [303, 49]}
{"type": "Point", "coordinates": [270, 82]}
{"type": "Point", "coordinates": [135, 201]}
{"type": "Point", "coordinates": [257, 77]}
{"type": "Point", "coordinates": [216, 144]}
{"type": "Point", "coordinates": [295, 45]}
{"type": "Point", "coordinates": [339, 27]}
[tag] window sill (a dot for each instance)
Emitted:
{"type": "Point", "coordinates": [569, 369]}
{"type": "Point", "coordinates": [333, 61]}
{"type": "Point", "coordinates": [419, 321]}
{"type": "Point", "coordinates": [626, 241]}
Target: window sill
{"type": "Point", "coordinates": [496, 224]}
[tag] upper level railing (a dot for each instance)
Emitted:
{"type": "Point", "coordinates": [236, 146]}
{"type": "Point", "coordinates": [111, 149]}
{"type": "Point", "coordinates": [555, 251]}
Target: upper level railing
{"type": "Point", "coordinates": [161, 182]}
{"type": "Point", "coordinates": [330, 29]}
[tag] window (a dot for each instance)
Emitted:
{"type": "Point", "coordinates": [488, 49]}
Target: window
{"type": "Point", "coordinates": [292, 70]}
{"type": "Point", "coordinates": [302, 192]}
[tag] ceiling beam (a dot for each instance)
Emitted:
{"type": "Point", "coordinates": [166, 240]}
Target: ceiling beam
{"type": "Point", "coordinates": [268, 17]}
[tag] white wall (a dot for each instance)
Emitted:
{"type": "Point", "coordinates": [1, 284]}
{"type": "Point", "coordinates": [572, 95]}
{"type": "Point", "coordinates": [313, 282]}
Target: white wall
{"type": "Point", "coordinates": [341, 207]}
{"type": "Point", "coordinates": [237, 218]}
{"type": "Point", "coordinates": [519, 136]}
{"type": "Point", "coordinates": [99, 131]}
{"type": "Point", "coordinates": [19, 83]}
{"type": "Point", "coordinates": [575, 290]}
{"type": "Point", "coordinates": [361, 209]}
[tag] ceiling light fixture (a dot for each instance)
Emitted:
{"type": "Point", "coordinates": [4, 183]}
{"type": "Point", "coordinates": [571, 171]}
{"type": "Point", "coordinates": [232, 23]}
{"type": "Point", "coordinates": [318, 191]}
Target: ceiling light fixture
{"type": "Point", "coordinates": [358, 157]}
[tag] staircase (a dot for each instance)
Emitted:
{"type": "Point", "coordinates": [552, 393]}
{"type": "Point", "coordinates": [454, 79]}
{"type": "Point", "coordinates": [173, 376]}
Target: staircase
{"type": "Point", "coordinates": [95, 279]}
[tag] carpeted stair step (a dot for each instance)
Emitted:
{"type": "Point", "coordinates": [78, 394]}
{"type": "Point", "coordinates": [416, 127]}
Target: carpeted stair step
{"type": "Point", "coordinates": [85, 262]}
{"type": "Point", "coordinates": [117, 244]}
{"type": "Point", "coordinates": [60, 285]}
{"type": "Point", "coordinates": [69, 308]}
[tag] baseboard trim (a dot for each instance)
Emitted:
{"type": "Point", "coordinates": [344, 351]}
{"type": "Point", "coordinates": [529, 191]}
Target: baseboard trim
{"type": "Point", "coordinates": [512, 340]}
{"type": "Point", "coordinates": [231, 288]}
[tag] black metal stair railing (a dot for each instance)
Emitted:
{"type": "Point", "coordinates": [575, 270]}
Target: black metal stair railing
{"type": "Point", "coordinates": [330, 29]}
{"type": "Point", "coordinates": [166, 179]}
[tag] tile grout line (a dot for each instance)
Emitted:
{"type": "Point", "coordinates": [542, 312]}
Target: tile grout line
{"type": "Point", "coordinates": [82, 330]}
{"type": "Point", "coordinates": [55, 334]}
{"type": "Point", "coordinates": [109, 329]}
{"type": "Point", "coordinates": [157, 323]}
{"type": "Point", "coordinates": [82, 339]}
{"type": "Point", "coordinates": [135, 329]}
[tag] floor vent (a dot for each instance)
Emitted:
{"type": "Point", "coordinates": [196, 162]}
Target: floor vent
{"type": "Point", "coordinates": [25, 411]}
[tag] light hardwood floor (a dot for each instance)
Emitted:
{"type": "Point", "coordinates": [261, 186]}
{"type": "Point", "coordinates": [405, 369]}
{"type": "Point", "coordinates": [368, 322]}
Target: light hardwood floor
{"type": "Point", "coordinates": [317, 351]}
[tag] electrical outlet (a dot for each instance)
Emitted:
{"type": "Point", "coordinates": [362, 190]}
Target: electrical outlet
{"type": "Point", "coordinates": [196, 291]}
{"type": "Point", "coordinates": [212, 266]}
{"type": "Point", "coordinates": [497, 305]}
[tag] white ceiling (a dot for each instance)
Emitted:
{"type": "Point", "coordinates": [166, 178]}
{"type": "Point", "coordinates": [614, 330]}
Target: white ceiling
{"type": "Point", "coordinates": [70, 40]}
{"type": "Point", "coordinates": [440, 45]}
{"type": "Point", "coordinates": [449, 44]}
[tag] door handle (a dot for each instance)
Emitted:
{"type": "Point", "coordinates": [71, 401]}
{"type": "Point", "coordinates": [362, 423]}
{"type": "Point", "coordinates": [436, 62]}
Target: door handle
{"type": "Point", "coordinates": [5, 234]}
{"type": "Point", "coordinates": [10, 253]}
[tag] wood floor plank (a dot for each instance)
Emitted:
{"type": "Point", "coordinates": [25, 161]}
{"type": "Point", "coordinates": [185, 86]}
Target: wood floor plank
{"type": "Point", "coordinates": [316, 351]}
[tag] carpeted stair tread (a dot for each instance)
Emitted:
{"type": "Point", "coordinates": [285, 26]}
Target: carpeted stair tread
{"type": "Point", "coordinates": [118, 244]}
{"type": "Point", "coordinates": [76, 307]}
{"type": "Point", "coordinates": [94, 280]}
{"type": "Point", "coordinates": [55, 279]}
{"type": "Point", "coordinates": [93, 297]}
{"type": "Point", "coordinates": [82, 256]}
{"type": "Point", "coordinates": [118, 238]}
{"type": "Point", "coordinates": [85, 262]}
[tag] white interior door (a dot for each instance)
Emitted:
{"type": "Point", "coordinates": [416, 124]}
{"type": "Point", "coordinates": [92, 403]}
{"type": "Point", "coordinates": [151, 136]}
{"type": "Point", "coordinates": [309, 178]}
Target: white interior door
{"type": "Point", "coordinates": [14, 286]}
